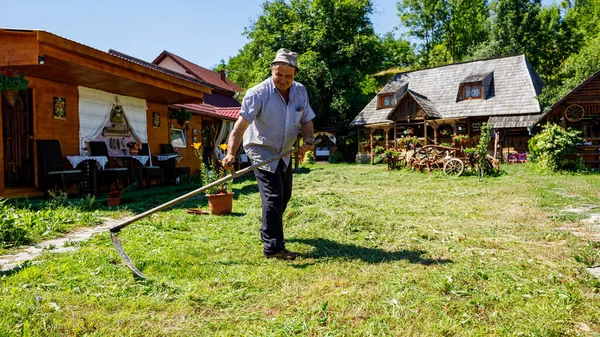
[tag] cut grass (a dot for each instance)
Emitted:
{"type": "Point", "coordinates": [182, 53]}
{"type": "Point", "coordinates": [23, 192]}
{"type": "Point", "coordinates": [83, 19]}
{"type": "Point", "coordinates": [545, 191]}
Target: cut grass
{"type": "Point", "coordinates": [385, 254]}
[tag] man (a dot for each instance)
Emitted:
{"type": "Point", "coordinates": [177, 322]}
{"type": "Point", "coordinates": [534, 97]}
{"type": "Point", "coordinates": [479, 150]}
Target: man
{"type": "Point", "coordinates": [270, 116]}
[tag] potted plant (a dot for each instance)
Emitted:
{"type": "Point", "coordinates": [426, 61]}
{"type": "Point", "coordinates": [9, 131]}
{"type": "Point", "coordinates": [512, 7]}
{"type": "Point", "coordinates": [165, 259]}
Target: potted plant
{"type": "Point", "coordinates": [181, 116]}
{"type": "Point", "coordinates": [11, 82]}
{"type": "Point", "coordinates": [220, 197]}
{"type": "Point", "coordinates": [114, 198]}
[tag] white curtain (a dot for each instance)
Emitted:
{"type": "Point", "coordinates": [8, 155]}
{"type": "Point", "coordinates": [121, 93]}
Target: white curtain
{"type": "Point", "coordinates": [94, 111]}
{"type": "Point", "coordinates": [135, 114]}
{"type": "Point", "coordinates": [223, 136]}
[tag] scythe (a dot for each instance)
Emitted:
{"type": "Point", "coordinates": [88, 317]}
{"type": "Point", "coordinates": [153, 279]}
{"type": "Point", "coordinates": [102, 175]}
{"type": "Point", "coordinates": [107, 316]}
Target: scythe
{"type": "Point", "coordinates": [116, 228]}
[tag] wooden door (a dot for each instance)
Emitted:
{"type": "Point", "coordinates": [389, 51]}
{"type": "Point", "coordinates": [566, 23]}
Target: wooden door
{"type": "Point", "coordinates": [17, 134]}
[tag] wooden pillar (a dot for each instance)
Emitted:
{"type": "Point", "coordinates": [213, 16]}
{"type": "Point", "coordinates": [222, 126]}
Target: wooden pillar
{"type": "Point", "coordinates": [435, 133]}
{"type": "Point", "coordinates": [395, 137]}
{"type": "Point", "coordinates": [425, 132]}
{"type": "Point", "coordinates": [371, 142]}
{"type": "Point", "coordinates": [358, 135]}
{"type": "Point", "coordinates": [497, 135]}
{"type": "Point", "coordinates": [387, 137]}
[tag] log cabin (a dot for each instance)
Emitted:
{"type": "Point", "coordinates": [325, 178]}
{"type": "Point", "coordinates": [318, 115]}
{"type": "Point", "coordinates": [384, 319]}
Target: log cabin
{"type": "Point", "coordinates": [68, 84]}
{"type": "Point", "coordinates": [437, 103]}
{"type": "Point", "coordinates": [580, 110]}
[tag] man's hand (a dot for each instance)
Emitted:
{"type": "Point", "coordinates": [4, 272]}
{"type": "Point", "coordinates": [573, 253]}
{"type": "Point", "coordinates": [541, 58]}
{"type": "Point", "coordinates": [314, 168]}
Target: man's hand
{"type": "Point", "coordinates": [307, 145]}
{"type": "Point", "coordinates": [228, 162]}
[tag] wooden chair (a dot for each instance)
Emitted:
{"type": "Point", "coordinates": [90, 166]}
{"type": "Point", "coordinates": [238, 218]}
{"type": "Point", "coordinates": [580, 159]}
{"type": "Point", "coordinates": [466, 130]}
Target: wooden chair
{"type": "Point", "coordinates": [53, 168]}
{"type": "Point", "coordinates": [110, 174]}
{"type": "Point", "coordinates": [179, 170]}
{"type": "Point", "coordinates": [149, 172]}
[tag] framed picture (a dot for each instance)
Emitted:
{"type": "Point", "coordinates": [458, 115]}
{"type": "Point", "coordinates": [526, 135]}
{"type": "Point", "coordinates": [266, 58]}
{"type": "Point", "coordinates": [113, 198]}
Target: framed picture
{"type": "Point", "coordinates": [60, 108]}
{"type": "Point", "coordinates": [156, 120]}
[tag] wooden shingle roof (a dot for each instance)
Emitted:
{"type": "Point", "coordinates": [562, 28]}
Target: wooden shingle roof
{"type": "Point", "coordinates": [513, 90]}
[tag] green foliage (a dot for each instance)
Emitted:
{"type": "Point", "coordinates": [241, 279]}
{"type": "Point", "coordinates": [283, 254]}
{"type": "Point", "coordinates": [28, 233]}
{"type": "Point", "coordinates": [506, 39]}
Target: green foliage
{"type": "Point", "coordinates": [181, 114]}
{"type": "Point", "coordinates": [551, 148]}
{"type": "Point", "coordinates": [12, 80]}
{"type": "Point", "coordinates": [13, 230]}
{"type": "Point", "coordinates": [481, 149]}
{"type": "Point", "coordinates": [336, 157]}
{"type": "Point", "coordinates": [337, 48]}
{"type": "Point", "coordinates": [209, 176]}
{"type": "Point", "coordinates": [446, 29]}
{"type": "Point", "coordinates": [378, 150]}
{"type": "Point", "coordinates": [310, 157]}
{"type": "Point", "coordinates": [397, 253]}
{"type": "Point", "coordinates": [26, 226]}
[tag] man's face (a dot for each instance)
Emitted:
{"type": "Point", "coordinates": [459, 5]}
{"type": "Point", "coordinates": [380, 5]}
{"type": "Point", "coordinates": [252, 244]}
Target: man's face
{"type": "Point", "coordinates": [283, 76]}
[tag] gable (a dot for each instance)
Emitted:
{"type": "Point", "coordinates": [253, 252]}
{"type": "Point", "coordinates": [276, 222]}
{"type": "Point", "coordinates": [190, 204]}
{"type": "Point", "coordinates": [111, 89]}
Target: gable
{"type": "Point", "coordinates": [170, 64]}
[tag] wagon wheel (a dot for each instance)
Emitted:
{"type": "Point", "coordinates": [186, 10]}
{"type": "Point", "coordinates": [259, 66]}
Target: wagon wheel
{"type": "Point", "coordinates": [454, 166]}
{"type": "Point", "coordinates": [574, 113]}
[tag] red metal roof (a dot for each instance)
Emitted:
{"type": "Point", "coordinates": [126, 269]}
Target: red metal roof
{"type": "Point", "coordinates": [201, 73]}
{"type": "Point", "coordinates": [231, 113]}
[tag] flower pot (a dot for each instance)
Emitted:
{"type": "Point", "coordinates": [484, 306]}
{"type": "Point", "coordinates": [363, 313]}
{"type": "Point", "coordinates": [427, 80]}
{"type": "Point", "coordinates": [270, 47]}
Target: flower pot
{"type": "Point", "coordinates": [11, 96]}
{"type": "Point", "coordinates": [220, 203]}
{"type": "Point", "coordinates": [112, 202]}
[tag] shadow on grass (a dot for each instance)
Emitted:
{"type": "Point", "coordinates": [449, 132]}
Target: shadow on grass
{"type": "Point", "coordinates": [326, 248]}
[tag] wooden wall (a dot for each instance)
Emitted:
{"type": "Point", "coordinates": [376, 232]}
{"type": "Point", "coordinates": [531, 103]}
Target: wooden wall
{"type": "Point", "coordinates": [67, 130]}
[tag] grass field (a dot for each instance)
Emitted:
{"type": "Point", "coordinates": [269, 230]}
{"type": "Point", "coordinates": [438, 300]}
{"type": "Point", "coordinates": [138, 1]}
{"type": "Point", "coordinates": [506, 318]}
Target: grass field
{"type": "Point", "coordinates": [393, 253]}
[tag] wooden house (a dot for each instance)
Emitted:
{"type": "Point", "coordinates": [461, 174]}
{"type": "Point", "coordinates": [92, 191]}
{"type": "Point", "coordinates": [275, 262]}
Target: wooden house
{"type": "Point", "coordinates": [69, 83]}
{"type": "Point", "coordinates": [580, 110]}
{"type": "Point", "coordinates": [212, 118]}
{"type": "Point", "coordinates": [436, 103]}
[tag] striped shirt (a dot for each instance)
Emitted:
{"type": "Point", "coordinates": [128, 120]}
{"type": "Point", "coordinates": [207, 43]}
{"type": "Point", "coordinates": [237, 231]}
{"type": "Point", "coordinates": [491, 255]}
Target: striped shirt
{"type": "Point", "coordinates": [273, 124]}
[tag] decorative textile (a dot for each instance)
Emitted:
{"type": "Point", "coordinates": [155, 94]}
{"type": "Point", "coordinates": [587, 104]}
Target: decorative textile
{"type": "Point", "coordinates": [94, 110]}
{"type": "Point", "coordinates": [168, 156]}
{"type": "Point", "coordinates": [135, 114]}
{"type": "Point", "coordinates": [223, 136]}
{"type": "Point", "coordinates": [141, 159]}
{"type": "Point", "coordinates": [101, 161]}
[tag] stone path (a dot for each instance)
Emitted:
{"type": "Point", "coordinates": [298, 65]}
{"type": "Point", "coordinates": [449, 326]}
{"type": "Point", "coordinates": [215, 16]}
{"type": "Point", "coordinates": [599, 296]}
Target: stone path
{"type": "Point", "coordinates": [64, 244]}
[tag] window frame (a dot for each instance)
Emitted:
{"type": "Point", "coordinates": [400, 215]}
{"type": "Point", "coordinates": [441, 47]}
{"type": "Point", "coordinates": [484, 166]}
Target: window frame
{"type": "Point", "coordinates": [182, 135]}
{"type": "Point", "coordinates": [462, 93]}
{"type": "Point", "coordinates": [391, 101]}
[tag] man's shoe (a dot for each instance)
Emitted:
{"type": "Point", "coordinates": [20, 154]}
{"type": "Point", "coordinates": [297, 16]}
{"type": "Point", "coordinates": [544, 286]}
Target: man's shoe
{"type": "Point", "coordinates": [283, 254]}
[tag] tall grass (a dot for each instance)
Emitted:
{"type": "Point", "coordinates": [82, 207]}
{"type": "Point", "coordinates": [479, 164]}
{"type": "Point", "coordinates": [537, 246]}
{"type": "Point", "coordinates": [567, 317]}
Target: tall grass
{"type": "Point", "coordinates": [385, 253]}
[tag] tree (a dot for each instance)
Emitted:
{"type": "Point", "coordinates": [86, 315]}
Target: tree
{"type": "Point", "coordinates": [336, 44]}
{"type": "Point", "coordinates": [396, 52]}
{"type": "Point", "coordinates": [446, 28]}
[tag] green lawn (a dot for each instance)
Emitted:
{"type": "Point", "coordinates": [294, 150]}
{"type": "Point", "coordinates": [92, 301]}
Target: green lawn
{"type": "Point", "coordinates": [385, 254]}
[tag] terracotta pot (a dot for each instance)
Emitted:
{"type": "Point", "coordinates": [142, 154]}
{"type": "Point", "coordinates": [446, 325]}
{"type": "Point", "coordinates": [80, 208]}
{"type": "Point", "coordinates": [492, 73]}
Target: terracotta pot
{"type": "Point", "coordinates": [11, 96]}
{"type": "Point", "coordinates": [220, 204]}
{"type": "Point", "coordinates": [111, 202]}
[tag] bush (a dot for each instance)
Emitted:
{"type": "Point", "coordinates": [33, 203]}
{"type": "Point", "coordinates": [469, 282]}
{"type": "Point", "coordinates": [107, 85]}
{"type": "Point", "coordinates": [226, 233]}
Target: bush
{"type": "Point", "coordinates": [551, 148]}
{"type": "Point", "coordinates": [378, 150]}
{"type": "Point", "coordinates": [336, 157]}
{"type": "Point", "coordinates": [363, 158]}
{"type": "Point", "coordinates": [309, 157]}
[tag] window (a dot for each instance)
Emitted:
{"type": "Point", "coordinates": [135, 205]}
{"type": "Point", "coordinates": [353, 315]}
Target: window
{"type": "Point", "coordinates": [469, 91]}
{"type": "Point", "coordinates": [178, 138]}
{"type": "Point", "coordinates": [387, 101]}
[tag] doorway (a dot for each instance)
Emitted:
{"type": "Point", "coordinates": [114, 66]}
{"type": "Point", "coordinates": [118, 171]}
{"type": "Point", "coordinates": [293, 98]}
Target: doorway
{"type": "Point", "coordinates": [17, 136]}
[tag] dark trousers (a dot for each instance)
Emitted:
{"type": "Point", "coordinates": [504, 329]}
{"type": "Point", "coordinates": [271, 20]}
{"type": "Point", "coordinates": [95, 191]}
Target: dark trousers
{"type": "Point", "coordinates": [275, 191]}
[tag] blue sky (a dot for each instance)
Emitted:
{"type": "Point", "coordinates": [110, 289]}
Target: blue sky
{"type": "Point", "coordinates": [203, 32]}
